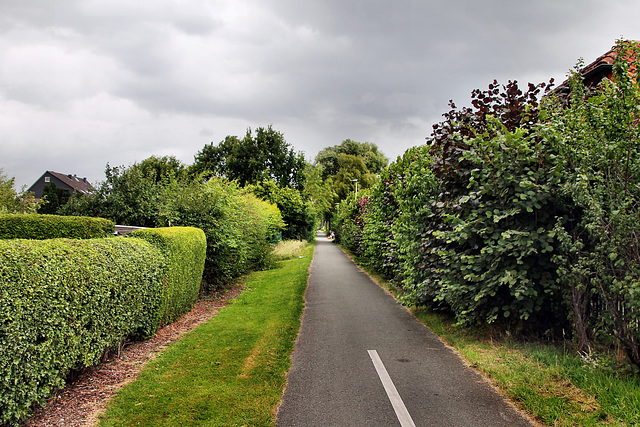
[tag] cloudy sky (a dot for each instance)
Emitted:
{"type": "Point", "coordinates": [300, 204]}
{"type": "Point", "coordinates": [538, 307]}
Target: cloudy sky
{"type": "Point", "coordinates": [89, 82]}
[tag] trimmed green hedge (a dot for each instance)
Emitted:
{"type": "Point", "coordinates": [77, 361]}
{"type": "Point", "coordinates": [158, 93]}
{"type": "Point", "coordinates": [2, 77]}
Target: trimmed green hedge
{"type": "Point", "coordinates": [40, 227]}
{"type": "Point", "coordinates": [185, 249]}
{"type": "Point", "coordinates": [63, 303]}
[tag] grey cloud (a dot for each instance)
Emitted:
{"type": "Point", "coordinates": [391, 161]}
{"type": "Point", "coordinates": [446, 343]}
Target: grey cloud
{"type": "Point", "coordinates": [321, 71]}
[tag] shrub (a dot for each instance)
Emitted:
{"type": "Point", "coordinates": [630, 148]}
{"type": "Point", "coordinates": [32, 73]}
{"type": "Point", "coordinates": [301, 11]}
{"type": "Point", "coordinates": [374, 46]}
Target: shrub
{"type": "Point", "coordinates": [260, 223]}
{"type": "Point", "coordinates": [597, 135]}
{"type": "Point", "coordinates": [63, 304]}
{"type": "Point", "coordinates": [297, 212]}
{"type": "Point", "coordinates": [39, 227]}
{"type": "Point", "coordinates": [501, 240]}
{"type": "Point", "coordinates": [184, 249]}
{"type": "Point", "coordinates": [347, 224]}
{"type": "Point", "coordinates": [238, 227]}
{"type": "Point", "coordinates": [12, 201]}
{"type": "Point", "coordinates": [394, 224]}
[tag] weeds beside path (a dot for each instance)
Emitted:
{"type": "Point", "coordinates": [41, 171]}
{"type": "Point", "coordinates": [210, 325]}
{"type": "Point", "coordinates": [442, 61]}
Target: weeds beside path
{"type": "Point", "coordinates": [229, 371]}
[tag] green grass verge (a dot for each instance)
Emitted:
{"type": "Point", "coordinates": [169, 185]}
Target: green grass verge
{"type": "Point", "coordinates": [554, 384]}
{"type": "Point", "coordinates": [231, 371]}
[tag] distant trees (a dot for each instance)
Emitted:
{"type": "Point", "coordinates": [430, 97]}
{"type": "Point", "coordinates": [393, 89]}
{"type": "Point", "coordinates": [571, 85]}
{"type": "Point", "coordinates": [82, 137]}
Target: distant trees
{"type": "Point", "coordinates": [297, 211]}
{"type": "Point", "coordinates": [12, 201]}
{"type": "Point", "coordinates": [334, 159]}
{"type": "Point", "coordinates": [338, 168]}
{"type": "Point", "coordinates": [253, 159]}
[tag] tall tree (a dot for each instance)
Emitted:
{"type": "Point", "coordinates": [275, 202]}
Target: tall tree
{"type": "Point", "coordinates": [319, 192]}
{"type": "Point", "coordinates": [12, 201]}
{"type": "Point", "coordinates": [54, 198]}
{"type": "Point", "coordinates": [161, 168]}
{"type": "Point", "coordinates": [329, 158]}
{"type": "Point", "coordinates": [253, 159]}
{"type": "Point", "coordinates": [350, 162]}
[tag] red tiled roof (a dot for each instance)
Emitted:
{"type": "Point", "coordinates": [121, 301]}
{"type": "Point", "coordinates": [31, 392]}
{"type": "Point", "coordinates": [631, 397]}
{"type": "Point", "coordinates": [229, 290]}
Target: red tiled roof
{"type": "Point", "coordinates": [597, 70]}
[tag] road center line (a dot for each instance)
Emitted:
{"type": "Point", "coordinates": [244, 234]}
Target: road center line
{"type": "Point", "coordinates": [396, 401]}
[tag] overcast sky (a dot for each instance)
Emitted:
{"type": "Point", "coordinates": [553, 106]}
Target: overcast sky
{"type": "Point", "coordinates": [84, 83]}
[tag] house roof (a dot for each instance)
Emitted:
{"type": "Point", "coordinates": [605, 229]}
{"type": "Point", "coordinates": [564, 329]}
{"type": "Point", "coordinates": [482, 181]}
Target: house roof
{"type": "Point", "coordinates": [81, 185]}
{"type": "Point", "coordinates": [597, 70]}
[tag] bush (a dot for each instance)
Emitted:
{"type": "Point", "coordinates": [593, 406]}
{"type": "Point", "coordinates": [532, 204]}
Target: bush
{"type": "Point", "coordinates": [597, 135]}
{"type": "Point", "coordinates": [348, 224]}
{"type": "Point", "coordinates": [39, 227]}
{"type": "Point", "coordinates": [237, 225]}
{"type": "Point", "coordinates": [501, 240]}
{"type": "Point", "coordinates": [184, 249]}
{"type": "Point", "coordinates": [297, 212]}
{"type": "Point", "coordinates": [63, 304]}
{"type": "Point", "coordinates": [394, 224]}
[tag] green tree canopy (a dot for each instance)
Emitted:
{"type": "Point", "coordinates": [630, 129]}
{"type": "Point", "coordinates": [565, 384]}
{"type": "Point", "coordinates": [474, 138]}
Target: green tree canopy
{"type": "Point", "coordinates": [253, 159]}
{"type": "Point", "coordinates": [319, 192]}
{"type": "Point", "coordinates": [342, 165]}
{"type": "Point", "coordinates": [329, 158]}
{"type": "Point", "coordinates": [129, 195]}
{"type": "Point", "coordinates": [54, 198]}
{"type": "Point", "coordinates": [12, 201]}
{"type": "Point", "coordinates": [297, 213]}
{"type": "Point", "coordinates": [161, 168]}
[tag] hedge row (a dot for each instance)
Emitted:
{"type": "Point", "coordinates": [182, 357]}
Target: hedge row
{"type": "Point", "coordinates": [521, 211]}
{"type": "Point", "coordinates": [39, 227]}
{"type": "Point", "coordinates": [184, 249]}
{"type": "Point", "coordinates": [64, 303]}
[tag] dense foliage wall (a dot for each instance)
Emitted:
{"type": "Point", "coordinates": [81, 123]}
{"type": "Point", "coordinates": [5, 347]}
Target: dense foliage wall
{"type": "Point", "coordinates": [520, 210]}
{"type": "Point", "coordinates": [33, 226]}
{"type": "Point", "coordinates": [184, 249]}
{"type": "Point", "coordinates": [157, 192]}
{"type": "Point", "coordinates": [64, 303]}
{"type": "Point", "coordinates": [238, 226]}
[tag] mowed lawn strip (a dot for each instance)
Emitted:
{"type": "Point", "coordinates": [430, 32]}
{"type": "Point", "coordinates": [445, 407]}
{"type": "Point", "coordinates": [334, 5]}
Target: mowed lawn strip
{"type": "Point", "coordinates": [231, 371]}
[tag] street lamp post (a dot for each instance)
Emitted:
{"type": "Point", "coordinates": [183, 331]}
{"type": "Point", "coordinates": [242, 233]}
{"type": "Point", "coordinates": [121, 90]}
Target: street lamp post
{"type": "Point", "coordinates": [356, 181]}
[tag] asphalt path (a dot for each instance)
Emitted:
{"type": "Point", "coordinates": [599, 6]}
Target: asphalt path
{"type": "Point", "coordinates": [362, 360]}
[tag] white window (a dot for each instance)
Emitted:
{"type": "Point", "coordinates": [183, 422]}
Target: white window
{"type": "Point", "coordinates": [47, 179]}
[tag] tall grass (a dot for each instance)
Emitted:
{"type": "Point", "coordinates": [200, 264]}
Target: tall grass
{"type": "Point", "coordinates": [287, 249]}
{"type": "Point", "coordinates": [557, 386]}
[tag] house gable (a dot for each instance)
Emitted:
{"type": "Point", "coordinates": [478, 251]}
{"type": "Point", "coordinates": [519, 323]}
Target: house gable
{"type": "Point", "coordinates": [65, 181]}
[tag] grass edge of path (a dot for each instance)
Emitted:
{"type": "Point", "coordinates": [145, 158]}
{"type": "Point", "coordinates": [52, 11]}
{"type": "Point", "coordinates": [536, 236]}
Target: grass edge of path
{"type": "Point", "coordinates": [232, 369]}
{"type": "Point", "coordinates": [550, 385]}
